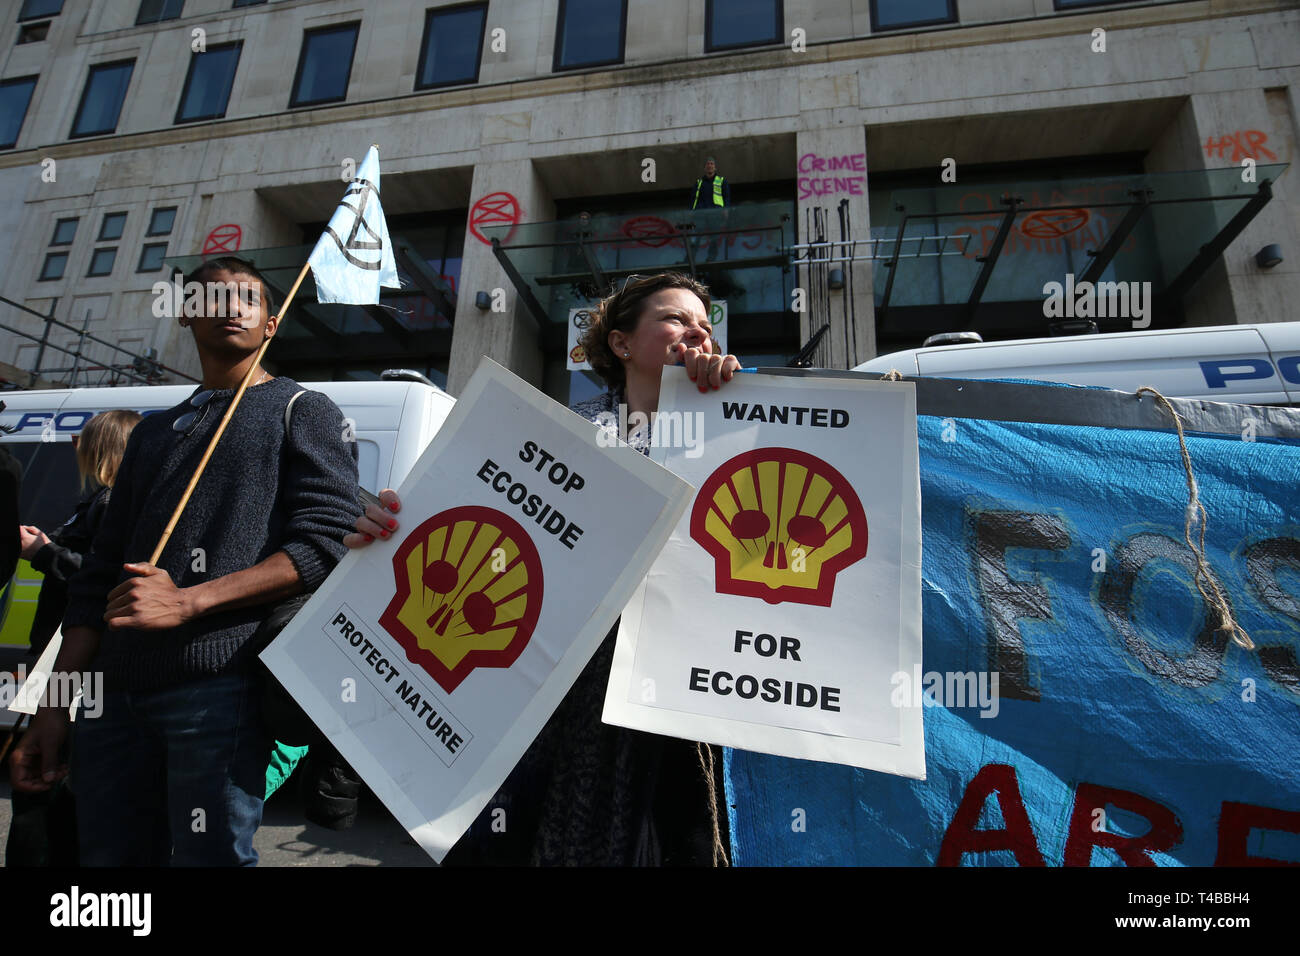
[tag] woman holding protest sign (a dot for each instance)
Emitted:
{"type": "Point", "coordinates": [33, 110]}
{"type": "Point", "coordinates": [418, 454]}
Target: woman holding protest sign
{"type": "Point", "coordinates": [652, 322]}
{"type": "Point", "coordinates": [585, 792]}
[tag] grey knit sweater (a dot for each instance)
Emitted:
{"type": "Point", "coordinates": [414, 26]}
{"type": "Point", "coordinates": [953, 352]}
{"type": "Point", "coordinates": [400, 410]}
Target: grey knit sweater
{"type": "Point", "coordinates": [262, 492]}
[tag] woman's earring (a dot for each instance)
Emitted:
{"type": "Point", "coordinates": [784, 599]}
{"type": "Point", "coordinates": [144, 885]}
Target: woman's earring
{"type": "Point", "coordinates": [627, 355]}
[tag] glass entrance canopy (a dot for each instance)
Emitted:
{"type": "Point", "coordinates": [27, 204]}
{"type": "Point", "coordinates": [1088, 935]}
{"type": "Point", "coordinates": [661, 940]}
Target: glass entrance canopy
{"type": "Point", "coordinates": [956, 252]}
{"type": "Point", "coordinates": [742, 254]}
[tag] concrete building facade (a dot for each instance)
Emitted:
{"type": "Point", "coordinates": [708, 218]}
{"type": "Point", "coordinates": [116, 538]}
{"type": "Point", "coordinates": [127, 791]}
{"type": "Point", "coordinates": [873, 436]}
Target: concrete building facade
{"type": "Point", "coordinates": [1040, 115]}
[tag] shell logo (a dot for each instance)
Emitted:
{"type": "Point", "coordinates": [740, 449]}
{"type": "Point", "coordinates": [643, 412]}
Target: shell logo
{"type": "Point", "coordinates": [780, 524]}
{"type": "Point", "coordinates": [469, 591]}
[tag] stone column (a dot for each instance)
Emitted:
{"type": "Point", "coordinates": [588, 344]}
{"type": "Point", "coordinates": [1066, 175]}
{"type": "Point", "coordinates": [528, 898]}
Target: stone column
{"type": "Point", "coordinates": [1256, 124]}
{"type": "Point", "coordinates": [832, 167]}
{"type": "Point", "coordinates": [510, 337]}
{"type": "Point", "coordinates": [1217, 130]}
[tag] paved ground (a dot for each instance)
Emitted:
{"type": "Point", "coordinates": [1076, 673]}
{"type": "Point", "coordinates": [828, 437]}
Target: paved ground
{"type": "Point", "coordinates": [287, 839]}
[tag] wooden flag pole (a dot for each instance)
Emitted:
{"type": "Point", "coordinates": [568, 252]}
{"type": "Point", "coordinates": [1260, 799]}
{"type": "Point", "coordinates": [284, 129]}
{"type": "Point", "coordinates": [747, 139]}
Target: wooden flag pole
{"type": "Point", "coordinates": [225, 420]}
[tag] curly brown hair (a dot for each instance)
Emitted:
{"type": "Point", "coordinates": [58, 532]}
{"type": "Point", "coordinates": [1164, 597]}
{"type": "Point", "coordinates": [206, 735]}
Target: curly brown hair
{"type": "Point", "coordinates": [621, 312]}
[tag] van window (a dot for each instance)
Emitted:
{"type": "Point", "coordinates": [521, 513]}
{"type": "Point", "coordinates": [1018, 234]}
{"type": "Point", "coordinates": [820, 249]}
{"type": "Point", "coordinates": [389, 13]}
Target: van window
{"type": "Point", "coordinates": [51, 486]}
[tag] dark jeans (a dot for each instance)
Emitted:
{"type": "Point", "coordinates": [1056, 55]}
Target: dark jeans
{"type": "Point", "coordinates": [174, 776]}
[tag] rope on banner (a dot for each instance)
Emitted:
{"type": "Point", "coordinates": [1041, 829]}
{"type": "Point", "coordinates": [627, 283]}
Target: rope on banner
{"type": "Point", "coordinates": [1196, 514]}
{"type": "Point", "coordinates": [719, 851]}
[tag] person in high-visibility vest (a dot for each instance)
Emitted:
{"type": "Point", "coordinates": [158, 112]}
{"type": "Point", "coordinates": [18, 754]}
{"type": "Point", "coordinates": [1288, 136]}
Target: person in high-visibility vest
{"type": "Point", "coordinates": [711, 189]}
{"type": "Point", "coordinates": [712, 194]}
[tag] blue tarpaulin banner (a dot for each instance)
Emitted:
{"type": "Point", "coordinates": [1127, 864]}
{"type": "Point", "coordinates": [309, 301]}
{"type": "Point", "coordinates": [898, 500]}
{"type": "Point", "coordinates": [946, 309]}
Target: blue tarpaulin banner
{"type": "Point", "coordinates": [1080, 706]}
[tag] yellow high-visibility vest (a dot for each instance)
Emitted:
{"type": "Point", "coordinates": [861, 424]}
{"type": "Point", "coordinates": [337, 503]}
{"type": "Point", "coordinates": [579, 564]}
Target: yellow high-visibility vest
{"type": "Point", "coordinates": [717, 193]}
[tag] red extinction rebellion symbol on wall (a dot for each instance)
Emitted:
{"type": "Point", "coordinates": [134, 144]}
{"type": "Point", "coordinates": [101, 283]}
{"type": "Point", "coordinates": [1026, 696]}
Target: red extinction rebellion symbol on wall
{"type": "Point", "coordinates": [649, 230]}
{"type": "Point", "coordinates": [225, 238]}
{"type": "Point", "coordinates": [494, 209]}
{"type": "Point", "coordinates": [1054, 223]}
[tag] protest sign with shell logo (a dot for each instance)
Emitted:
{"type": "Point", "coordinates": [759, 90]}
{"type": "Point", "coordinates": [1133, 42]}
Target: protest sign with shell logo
{"type": "Point", "coordinates": [780, 524]}
{"type": "Point", "coordinates": [469, 592]}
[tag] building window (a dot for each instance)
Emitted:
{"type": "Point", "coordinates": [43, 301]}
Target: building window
{"type": "Point", "coordinates": [110, 229]}
{"type": "Point", "coordinates": [64, 232]}
{"type": "Point", "coordinates": [1075, 4]}
{"type": "Point", "coordinates": [151, 257]}
{"type": "Point", "coordinates": [56, 262]}
{"type": "Point", "coordinates": [897, 14]}
{"type": "Point", "coordinates": [735, 23]}
{"type": "Point", "coordinates": [155, 11]}
{"type": "Point", "coordinates": [248, 3]}
{"type": "Point", "coordinates": [15, 97]}
{"type": "Point", "coordinates": [101, 100]}
{"type": "Point", "coordinates": [207, 84]}
{"type": "Point", "coordinates": [101, 261]}
{"type": "Point", "coordinates": [35, 9]}
{"type": "Point", "coordinates": [161, 221]}
{"type": "Point", "coordinates": [590, 33]}
{"type": "Point", "coordinates": [52, 268]}
{"type": "Point", "coordinates": [33, 32]}
{"type": "Point", "coordinates": [111, 226]}
{"type": "Point", "coordinates": [325, 65]}
{"type": "Point", "coordinates": [452, 48]}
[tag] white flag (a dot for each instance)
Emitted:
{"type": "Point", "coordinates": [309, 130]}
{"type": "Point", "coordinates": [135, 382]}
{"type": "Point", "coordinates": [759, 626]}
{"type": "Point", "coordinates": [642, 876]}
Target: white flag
{"type": "Point", "coordinates": [353, 256]}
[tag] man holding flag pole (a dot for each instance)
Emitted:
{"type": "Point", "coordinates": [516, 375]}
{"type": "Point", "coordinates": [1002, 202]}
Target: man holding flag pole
{"type": "Point", "coordinates": [173, 770]}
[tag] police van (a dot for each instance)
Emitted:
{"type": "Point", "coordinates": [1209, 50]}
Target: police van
{"type": "Point", "coordinates": [394, 421]}
{"type": "Point", "coordinates": [1247, 364]}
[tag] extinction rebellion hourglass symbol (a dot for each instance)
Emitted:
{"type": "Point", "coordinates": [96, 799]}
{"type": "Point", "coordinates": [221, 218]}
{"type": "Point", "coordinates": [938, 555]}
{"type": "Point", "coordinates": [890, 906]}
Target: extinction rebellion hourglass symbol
{"type": "Point", "coordinates": [494, 209]}
{"type": "Point", "coordinates": [355, 242]}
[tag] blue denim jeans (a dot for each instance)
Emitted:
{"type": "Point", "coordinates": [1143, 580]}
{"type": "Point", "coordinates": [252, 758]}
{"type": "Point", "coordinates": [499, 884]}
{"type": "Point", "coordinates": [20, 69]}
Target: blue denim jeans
{"type": "Point", "coordinates": [172, 777]}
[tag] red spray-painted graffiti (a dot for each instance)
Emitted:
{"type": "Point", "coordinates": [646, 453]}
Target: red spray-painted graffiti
{"type": "Point", "coordinates": [1054, 223]}
{"type": "Point", "coordinates": [425, 316]}
{"type": "Point", "coordinates": [649, 231]}
{"type": "Point", "coordinates": [1084, 222]}
{"type": "Point", "coordinates": [494, 209]}
{"type": "Point", "coordinates": [656, 232]}
{"type": "Point", "coordinates": [830, 185]}
{"type": "Point", "coordinates": [224, 238]}
{"type": "Point", "coordinates": [1244, 143]}
{"type": "Point", "coordinates": [1091, 235]}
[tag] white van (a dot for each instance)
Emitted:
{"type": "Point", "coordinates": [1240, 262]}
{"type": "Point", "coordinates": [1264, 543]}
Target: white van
{"type": "Point", "coordinates": [394, 421]}
{"type": "Point", "coordinates": [1248, 364]}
